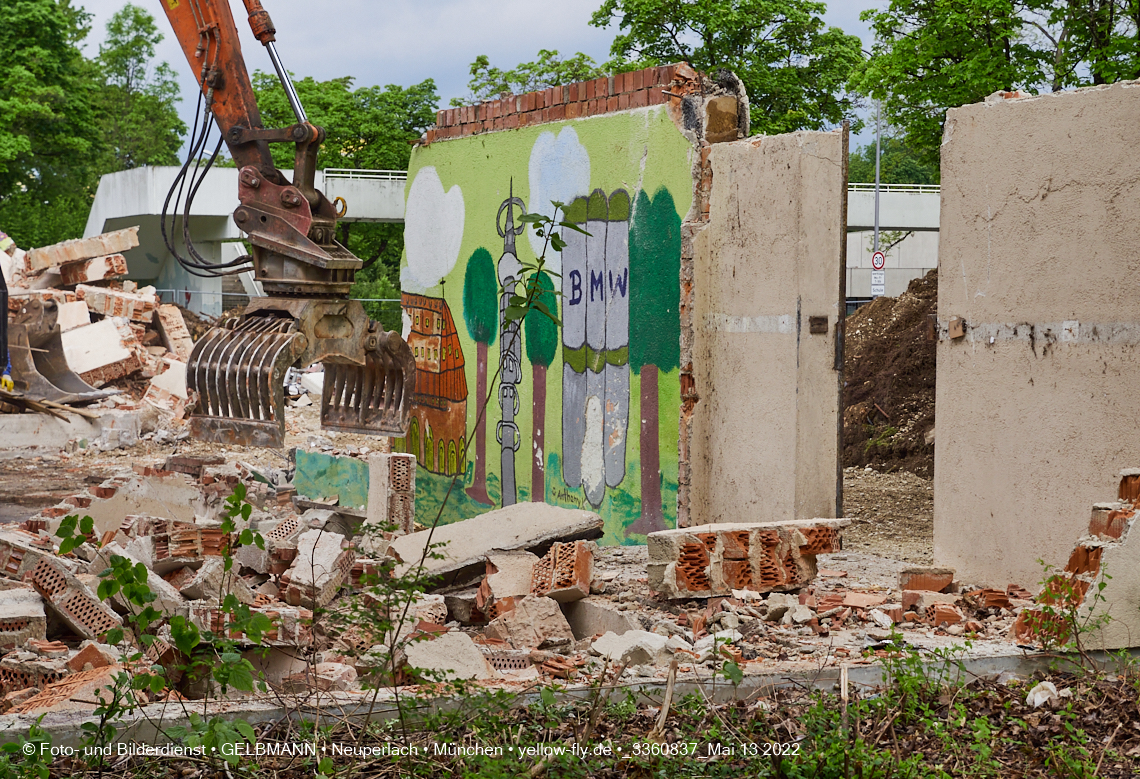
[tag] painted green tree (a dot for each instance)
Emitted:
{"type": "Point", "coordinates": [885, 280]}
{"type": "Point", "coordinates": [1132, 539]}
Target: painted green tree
{"type": "Point", "coordinates": [541, 346]}
{"type": "Point", "coordinates": [654, 330]}
{"type": "Point", "coordinates": [481, 313]}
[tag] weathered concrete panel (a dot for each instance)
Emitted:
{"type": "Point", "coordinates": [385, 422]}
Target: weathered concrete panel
{"type": "Point", "coordinates": [1035, 404]}
{"type": "Point", "coordinates": [765, 445]}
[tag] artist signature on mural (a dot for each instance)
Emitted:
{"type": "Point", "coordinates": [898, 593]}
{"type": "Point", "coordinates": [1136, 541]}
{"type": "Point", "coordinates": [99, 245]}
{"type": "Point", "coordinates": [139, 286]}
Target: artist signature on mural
{"type": "Point", "coordinates": [563, 497]}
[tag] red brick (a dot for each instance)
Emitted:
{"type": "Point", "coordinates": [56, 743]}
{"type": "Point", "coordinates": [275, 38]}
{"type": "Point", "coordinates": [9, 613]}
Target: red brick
{"type": "Point", "coordinates": [545, 114]}
{"type": "Point", "coordinates": [558, 112]}
{"type": "Point", "coordinates": [657, 96]}
{"type": "Point", "coordinates": [930, 579]}
{"type": "Point", "coordinates": [601, 87]}
{"type": "Point", "coordinates": [639, 99]}
{"type": "Point", "coordinates": [54, 512]}
{"type": "Point", "coordinates": [611, 104]}
{"type": "Point", "coordinates": [638, 80]}
{"type": "Point", "coordinates": [104, 492]}
{"type": "Point", "coordinates": [571, 110]}
{"type": "Point", "coordinates": [80, 501]}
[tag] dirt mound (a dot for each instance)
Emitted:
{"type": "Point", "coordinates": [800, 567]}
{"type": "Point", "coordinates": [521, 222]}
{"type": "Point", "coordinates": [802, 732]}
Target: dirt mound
{"type": "Point", "coordinates": [888, 395]}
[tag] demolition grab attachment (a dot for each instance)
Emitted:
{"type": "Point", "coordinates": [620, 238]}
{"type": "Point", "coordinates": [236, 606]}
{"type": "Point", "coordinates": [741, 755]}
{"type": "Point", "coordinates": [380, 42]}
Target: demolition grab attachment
{"type": "Point", "coordinates": [239, 371]}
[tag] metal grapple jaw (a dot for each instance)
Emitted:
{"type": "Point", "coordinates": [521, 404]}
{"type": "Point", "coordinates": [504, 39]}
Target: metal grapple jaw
{"type": "Point", "coordinates": [238, 372]}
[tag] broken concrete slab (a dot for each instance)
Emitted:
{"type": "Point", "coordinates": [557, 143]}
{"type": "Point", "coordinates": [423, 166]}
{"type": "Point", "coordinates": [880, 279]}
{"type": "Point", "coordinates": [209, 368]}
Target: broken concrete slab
{"type": "Point", "coordinates": [213, 581]}
{"type": "Point", "coordinates": [22, 617]}
{"type": "Point", "coordinates": [72, 315]}
{"type": "Point", "coordinates": [508, 579]}
{"type": "Point", "coordinates": [634, 647]}
{"type": "Point", "coordinates": [104, 351]}
{"type": "Point", "coordinates": [38, 260]}
{"type": "Point", "coordinates": [712, 560]}
{"type": "Point", "coordinates": [324, 677]}
{"type": "Point", "coordinates": [592, 616]}
{"type": "Point", "coordinates": [95, 269]}
{"type": "Point", "coordinates": [530, 526]}
{"type": "Point", "coordinates": [134, 306]}
{"type": "Point", "coordinates": [535, 622]}
{"type": "Point", "coordinates": [322, 563]}
{"type": "Point", "coordinates": [453, 654]}
{"type": "Point", "coordinates": [171, 326]}
{"type": "Point", "coordinates": [564, 573]}
{"type": "Point", "coordinates": [462, 608]}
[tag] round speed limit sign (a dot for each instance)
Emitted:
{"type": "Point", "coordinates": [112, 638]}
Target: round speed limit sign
{"type": "Point", "coordinates": [878, 260]}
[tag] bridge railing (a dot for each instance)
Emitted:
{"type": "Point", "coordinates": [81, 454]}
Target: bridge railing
{"type": "Point", "coordinates": [918, 189]}
{"type": "Point", "coordinates": [375, 175]}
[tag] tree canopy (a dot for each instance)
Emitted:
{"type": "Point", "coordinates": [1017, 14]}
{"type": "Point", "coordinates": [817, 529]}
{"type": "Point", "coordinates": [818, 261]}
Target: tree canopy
{"type": "Point", "coordinates": [794, 67]}
{"type": "Point", "coordinates": [540, 330]}
{"type": "Point", "coordinates": [898, 164]}
{"type": "Point", "coordinates": [137, 102]}
{"type": "Point", "coordinates": [549, 70]}
{"type": "Point", "coordinates": [481, 297]}
{"type": "Point", "coordinates": [932, 55]}
{"type": "Point", "coordinates": [65, 120]}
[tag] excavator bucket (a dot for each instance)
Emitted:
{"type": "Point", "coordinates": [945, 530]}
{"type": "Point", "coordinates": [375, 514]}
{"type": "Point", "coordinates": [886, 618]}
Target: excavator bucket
{"type": "Point", "coordinates": [39, 368]}
{"type": "Point", "coordinates": [238, 372]}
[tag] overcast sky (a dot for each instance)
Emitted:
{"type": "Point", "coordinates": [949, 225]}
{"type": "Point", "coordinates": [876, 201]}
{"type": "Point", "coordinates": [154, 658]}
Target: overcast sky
{"type": "Point", "coordinates": [404, 42]}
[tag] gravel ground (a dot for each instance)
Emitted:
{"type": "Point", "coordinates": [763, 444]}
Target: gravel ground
{"type": "Point", "coordinates": [892, 515]}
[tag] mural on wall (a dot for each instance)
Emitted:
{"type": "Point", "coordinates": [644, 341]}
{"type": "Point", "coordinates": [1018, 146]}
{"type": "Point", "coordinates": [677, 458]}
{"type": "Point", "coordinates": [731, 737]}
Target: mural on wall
{"type": "Point", "coordinates": [438, 430]}
{"type": "Point", "coordinates": [595, 344]}
{"type": "Point", "coordinates": [510, 347]}
{"type": "Point", "coordinates": [604, 437]}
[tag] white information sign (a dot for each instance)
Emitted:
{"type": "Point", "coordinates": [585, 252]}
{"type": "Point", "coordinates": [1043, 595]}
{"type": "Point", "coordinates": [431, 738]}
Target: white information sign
{"type": "Point", "coordinates": [878, 283]}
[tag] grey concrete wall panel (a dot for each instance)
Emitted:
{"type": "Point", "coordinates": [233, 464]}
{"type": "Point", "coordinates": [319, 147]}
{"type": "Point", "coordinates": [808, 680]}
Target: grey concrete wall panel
{"type": "Point", "coordinates": [1036, 404]}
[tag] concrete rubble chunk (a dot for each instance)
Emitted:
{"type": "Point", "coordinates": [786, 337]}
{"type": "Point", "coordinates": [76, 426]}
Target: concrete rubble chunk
{"type": "Point", "coordinates": [22, 617]}
{"type": "Point", "coordinates": [430, 608]}
{"type": "Point", "coordinates": [634, 647]}
{"type": "Point", "coordinates": [706, 643]}
{"type": "Point", "coordinates": [565, 572]}
{"type": "Point", "coordinates": [461, 607]}
{"type": "Point", "coordinates": [592, 616]}
{"type": "Point", "coordinates": [171, 326]}
{"type": "Point", "coordinates": [135, 306]}
{"type": "Point", "coordinates": [324, 677]}
{"type": "Point", "coordinates": [530, 526]}
{"type": "Point", "coordinates": [95, 269]}
{"type": "Point", "coordinates": [453, 654]}
{"type": "Point", "coordinates": [102, 352]}
{"type": "Point", "coordinates": [72, 315]}
{"type": "Point", "coordinates": [778, 605]}
{"type": "Point", "coordinates": [508, 579]}
{"type": "Point", "coordinates": [38, 260]}
{"type": "Point", "coordinates": [322, 563]}
{"type": "Point", "coordinates": [711, 560]}
{"type": "Point", "coordinates": [212, 581]}
{"type": "Point", "coordinates": [533, 623]}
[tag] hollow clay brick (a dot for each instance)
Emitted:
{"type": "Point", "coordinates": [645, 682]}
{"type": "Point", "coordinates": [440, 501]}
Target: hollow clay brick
{"type": "Point", "coordinates": [715, 559]}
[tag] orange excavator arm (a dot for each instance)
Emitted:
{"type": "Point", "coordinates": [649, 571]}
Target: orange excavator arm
{"type": "Point", "coordinates": [238, 370]}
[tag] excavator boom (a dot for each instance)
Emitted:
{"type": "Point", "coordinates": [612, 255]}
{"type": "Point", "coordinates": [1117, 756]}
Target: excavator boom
{"type": "Point", "coordinates": [238, 370]}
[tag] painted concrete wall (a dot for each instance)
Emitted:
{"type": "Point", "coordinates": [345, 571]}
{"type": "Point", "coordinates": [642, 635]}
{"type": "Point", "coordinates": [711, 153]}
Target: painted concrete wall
{"type": "Point", "coordinates": [584, 415]}
{"type": "Point", "coordinates": [1036, 404]}
{"type": "Point", "coordinates": [764, 443]}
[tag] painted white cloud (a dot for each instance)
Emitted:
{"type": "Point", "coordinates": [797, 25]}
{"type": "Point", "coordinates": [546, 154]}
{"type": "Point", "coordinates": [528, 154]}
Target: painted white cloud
{"type": "Point", "coordinates": [433, 231]}
{"type": "Point", "coordinates": [559, 170]}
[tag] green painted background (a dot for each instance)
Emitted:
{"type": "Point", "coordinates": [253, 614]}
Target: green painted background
{"type": "Point", "coordinates": [639, 151]}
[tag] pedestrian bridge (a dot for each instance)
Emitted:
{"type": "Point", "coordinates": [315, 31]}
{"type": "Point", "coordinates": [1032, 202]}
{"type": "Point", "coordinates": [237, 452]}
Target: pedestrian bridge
{"type": "Point", "coordinates": [136, 197]}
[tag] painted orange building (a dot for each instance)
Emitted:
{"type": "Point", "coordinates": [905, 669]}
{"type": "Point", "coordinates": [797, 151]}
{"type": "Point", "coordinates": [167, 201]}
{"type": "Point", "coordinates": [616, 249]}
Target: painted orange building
{"type": "Point", "coordinates": [436, 435]}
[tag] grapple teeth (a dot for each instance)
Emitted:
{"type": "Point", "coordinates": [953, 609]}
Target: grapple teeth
{"type": "Point", "coordinates": [374, 399]}
{"type": "Point", "coordinates": [238, 373]}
